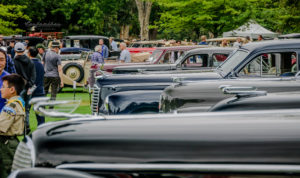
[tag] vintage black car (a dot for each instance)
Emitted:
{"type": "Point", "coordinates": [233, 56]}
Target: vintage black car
{"type": "Point", "coordinates": [88, 41]}
{"type": "Point", "coordinates": [193, 59]}
{"type": "Point", "coordinates": [268, 60]}
{"type": "Point", "coordinates": [260, 142]}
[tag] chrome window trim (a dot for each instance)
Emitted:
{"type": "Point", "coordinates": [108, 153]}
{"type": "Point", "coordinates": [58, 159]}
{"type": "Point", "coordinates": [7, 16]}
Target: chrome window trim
{"type": "Point", "coordinates": [215, 168]}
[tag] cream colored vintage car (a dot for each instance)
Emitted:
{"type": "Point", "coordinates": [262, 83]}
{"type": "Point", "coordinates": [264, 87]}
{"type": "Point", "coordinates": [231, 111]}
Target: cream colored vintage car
{"type": "Point", "coordinates": [77, 69]}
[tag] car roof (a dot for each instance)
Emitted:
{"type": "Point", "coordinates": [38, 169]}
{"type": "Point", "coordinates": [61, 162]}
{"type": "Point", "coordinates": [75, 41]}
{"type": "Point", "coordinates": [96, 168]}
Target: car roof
{"type": "Point", "coordinates": [212, 49]}
{"type": "Point", "coordinates": [291, 35]}
{"type": "Point", "coordinates": [272, 44]}
{"type": "Point", "coordinates": [182, 47]}
{"type": "Point", "coordinates": [85, 37]}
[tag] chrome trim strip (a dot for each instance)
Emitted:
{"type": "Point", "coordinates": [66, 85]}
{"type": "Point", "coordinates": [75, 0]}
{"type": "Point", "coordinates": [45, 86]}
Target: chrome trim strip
{"type": "Point", "coordinates": [95, 99]}
{"type": "Point", "coordinates": [216, 168]}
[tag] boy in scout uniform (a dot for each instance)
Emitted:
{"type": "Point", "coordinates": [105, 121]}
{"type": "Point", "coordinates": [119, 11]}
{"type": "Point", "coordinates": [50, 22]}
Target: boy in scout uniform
{"type": "Point", "coordinates": [12, 119]}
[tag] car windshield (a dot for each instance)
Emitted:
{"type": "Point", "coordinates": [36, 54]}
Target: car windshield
{"type": "Point", "coordinates": [154, 56]}
{"type": "Point", "coordinates": [232, 61]}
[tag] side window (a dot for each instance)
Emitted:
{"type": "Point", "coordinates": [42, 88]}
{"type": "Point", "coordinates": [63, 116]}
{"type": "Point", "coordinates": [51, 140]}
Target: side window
{"type": "Point", "coordinates": [195, 61]}
{"type": "Point", "coordinates": [218, 59]}
{"type": "Point", "coordinates": [271, 65]}
{"type": "Point", "coordinates": [166, 58]}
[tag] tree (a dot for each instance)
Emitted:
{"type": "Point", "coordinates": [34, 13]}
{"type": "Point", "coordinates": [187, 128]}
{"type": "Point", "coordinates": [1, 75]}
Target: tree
{"type": "Point", "coordinates": [9, 15]}
{"type": "Point", "coordinates": [203, 16]}
{"type": "Point", "coordinates": [282, 16]}
{"type": "Point", "coordinates": [144, 10]}
{"type": "Point", "coordinates": [127, 17]}
{"type": "Point", "coordinates": [95, 17]}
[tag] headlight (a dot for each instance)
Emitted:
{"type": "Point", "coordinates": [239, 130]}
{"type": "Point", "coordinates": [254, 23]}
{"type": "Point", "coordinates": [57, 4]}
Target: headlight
{"type": "Point", "coordinates": [25, 155]}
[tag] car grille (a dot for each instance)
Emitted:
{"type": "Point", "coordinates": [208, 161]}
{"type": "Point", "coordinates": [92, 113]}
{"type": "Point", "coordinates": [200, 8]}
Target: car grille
{"type": "Point", "coordinates": [95, 100]}
{"type": "Point", "coordinates": [24, 155]}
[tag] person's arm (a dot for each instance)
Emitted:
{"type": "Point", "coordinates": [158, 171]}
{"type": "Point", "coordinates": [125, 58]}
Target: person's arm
{"type": "Point", "coordinates": [122, 57]}
{"type": "Point", "coordinates": [60, 72]}
{"type": "Point", "coordinates": [33, 74]}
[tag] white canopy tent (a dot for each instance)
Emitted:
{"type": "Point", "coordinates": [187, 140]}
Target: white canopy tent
{"type": "Point", "coordinates": [251, 29]}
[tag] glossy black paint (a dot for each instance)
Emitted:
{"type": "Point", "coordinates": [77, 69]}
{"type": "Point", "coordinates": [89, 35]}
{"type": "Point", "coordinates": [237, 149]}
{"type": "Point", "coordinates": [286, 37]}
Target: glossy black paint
{"type": "Point", "coordinates": [110, 89]}
{"type": "Point", "coordinates": [200, 96]}
{"type": "Point", "coordinates": [226, 138]}
{"type": "Point", "coordinates": [134, 102]}
{"type": "Point", "coordinates": [115, 83]}
{"type": "Point", "coordinates": [273, 101]}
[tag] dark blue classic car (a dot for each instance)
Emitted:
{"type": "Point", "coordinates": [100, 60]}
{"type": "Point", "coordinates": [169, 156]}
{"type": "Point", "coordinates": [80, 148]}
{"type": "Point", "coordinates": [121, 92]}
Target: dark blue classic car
{"type": "Point", "coordinates": [226, 143]}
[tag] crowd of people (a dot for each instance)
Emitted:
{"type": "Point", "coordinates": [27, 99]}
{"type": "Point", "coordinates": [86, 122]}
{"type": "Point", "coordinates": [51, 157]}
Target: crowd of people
{"type": "Point", "coordinates": [25, 72]}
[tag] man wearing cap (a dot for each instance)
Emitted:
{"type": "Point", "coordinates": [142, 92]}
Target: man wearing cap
{"type": "Point", "coordinates": [53, 70]}
{"type": "Point", "coordinates": [41, 49]}
{"type": "Point", "coordinates": [26, 68]}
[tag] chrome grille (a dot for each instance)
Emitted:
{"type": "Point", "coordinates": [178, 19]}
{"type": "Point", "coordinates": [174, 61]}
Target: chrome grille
{"type": "Point", "coordinates": [95, 100]}
{"type": "Point", "coordinates": [23, 157]}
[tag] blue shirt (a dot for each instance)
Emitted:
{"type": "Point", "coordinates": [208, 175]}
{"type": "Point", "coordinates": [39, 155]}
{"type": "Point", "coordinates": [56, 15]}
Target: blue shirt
{"type": "Point", "coordinates": [10, 66]}
{"type": "Point", "coordinates": [2, 100]}
{"type": "Point", "coordinates": [203, 43]}
{"type": "Point", "coordinates": [39, 80]}
{"type": "Point", "coordinates": [97, 58]}
{"type": "Point", "coordinates": [104, 52]}
{"type": "Point", "coordinates": [114, 46]}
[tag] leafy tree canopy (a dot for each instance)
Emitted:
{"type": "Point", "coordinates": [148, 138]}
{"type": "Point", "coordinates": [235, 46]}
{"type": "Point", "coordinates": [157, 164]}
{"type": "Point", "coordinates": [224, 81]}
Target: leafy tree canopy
{"type": "Point", "coordinates": [8, 16]}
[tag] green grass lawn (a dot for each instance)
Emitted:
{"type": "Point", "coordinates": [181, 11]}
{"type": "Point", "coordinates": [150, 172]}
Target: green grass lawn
{"type": "Point", "coordinates": [66, 94]}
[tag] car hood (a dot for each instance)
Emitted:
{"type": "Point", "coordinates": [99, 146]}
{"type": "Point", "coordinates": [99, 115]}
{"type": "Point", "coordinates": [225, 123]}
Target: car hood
{"type": "Point", "coordinates": [197, 139]}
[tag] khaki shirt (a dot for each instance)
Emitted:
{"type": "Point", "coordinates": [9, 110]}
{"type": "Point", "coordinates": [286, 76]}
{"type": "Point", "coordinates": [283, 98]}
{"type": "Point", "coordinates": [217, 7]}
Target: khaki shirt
{"type": "Point", "coordinates": [12, 117]}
